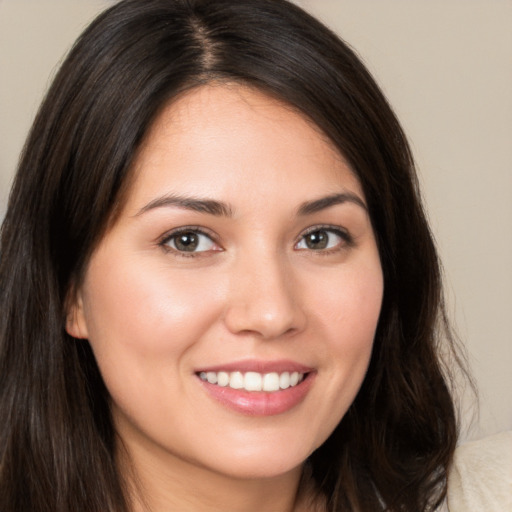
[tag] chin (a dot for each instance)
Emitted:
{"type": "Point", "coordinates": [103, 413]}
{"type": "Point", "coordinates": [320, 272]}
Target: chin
{"type": "Point", "coordinates": [268, 460]}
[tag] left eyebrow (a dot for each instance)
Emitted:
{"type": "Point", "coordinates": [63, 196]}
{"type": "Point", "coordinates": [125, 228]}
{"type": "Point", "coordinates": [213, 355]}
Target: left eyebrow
{"type": "Point", "coordinates": [318, 205]}
{"type": "Point", "coordinates": [196, 204]}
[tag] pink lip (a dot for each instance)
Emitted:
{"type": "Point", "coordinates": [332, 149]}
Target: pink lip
{"type": "Point", "coordinates": [260, 403]}
{"type": "Point", "coordinates": [259, 366]}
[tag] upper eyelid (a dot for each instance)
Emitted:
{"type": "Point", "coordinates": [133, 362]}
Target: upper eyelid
{"type": "Point", "coordinates": [325, 227]}
{"type": "Point", "coordinates": [183, 229]}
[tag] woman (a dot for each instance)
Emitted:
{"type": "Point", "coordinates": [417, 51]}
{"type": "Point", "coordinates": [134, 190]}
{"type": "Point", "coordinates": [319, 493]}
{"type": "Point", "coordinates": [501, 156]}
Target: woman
{"type": "Point", "coordinates": [218, 287]}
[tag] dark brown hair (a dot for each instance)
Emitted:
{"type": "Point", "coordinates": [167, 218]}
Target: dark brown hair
{"type": "Point", "coordinates": [392, 449]}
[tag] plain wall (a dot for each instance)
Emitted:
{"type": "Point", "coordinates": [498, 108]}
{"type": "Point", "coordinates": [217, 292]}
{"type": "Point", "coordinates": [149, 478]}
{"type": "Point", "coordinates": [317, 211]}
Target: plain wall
{"type": "Point", "coordinates": [446, 67]}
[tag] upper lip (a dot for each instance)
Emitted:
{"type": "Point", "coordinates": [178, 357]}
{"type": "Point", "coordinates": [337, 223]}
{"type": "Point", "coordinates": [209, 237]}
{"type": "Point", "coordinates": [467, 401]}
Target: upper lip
{"type": "Point", "coordinates": [258, 366]}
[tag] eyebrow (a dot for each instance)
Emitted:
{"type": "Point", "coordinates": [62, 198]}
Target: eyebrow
{"type": "Point", "coordinates": [209, 206]}
{"type": "Point", "coordinates": [318, 205]}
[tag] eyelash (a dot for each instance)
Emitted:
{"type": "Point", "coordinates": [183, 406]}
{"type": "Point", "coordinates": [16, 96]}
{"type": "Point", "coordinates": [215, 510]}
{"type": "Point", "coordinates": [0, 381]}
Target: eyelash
{"type": "Point", "coordinates": [347, 240]}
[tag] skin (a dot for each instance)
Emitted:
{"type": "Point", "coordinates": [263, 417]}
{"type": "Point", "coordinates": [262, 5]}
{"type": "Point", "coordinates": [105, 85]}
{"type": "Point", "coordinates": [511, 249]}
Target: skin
{"type": "Point", "coordinates": [255, 290]}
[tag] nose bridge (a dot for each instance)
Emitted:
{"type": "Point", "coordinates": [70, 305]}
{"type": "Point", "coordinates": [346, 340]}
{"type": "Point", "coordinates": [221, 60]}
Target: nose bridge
{"type": "Point", "coordinates": [262, 299]}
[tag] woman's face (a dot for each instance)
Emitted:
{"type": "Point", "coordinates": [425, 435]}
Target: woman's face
{"type": "Point", "coordinates": [232, 306]}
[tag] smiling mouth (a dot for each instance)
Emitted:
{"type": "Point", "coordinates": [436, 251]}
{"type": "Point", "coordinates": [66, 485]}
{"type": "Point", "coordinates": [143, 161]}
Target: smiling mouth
{"type": "Point", "coordinates": [253, 381]}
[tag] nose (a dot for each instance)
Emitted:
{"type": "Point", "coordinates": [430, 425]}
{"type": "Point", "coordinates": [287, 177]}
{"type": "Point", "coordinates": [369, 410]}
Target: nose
{"type": "Point", "coordinates": [264, 300]}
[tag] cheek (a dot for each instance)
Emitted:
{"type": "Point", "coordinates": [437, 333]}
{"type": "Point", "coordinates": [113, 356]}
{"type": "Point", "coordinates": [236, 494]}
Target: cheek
{"type": "Point", "coordinates": [143, 326]}
{"type": "Point", "coordinates": [139, 311]}
{"type": "Point", "coordinates": [350, 304]}
{"type": "Point", "coordinates": [347, 317]}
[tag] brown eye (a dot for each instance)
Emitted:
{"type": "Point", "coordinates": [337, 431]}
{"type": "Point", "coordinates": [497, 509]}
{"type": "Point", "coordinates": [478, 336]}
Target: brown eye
{"type": "Point", "coordinates": [186, 242]}
{"type": "Point", "coordinates": [317, 240]}
{"type": "Point", "coordinates": [323, 238]}
{"type": "Point", "coordinates": [190, 241]}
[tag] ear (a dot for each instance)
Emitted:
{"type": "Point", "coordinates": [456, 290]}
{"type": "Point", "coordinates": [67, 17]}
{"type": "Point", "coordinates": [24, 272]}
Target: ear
{"type": "Point", "coordinates": [76, 325]}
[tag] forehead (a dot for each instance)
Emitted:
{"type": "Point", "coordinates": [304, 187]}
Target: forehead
{"type": "Point", "coordinates": [220, 138]}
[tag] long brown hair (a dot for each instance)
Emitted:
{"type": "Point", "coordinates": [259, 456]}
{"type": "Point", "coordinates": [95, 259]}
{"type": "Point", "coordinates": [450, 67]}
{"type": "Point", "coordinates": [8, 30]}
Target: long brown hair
{"type": "Point", "coordinates": [392, 449]}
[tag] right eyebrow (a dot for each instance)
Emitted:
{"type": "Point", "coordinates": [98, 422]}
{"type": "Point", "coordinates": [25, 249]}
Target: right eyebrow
{"type": "Point", "coordinates": [196, 204]}
{"type": "Point", "coordinates": [323, 203]}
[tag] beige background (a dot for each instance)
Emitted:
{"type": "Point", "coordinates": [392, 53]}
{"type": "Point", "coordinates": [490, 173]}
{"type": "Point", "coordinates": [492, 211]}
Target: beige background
{"type": "Point", "coordinates": [446, 66]}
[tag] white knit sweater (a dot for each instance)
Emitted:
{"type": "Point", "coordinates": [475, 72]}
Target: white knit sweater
{"type": "Point", "coordinates": [481, 477]}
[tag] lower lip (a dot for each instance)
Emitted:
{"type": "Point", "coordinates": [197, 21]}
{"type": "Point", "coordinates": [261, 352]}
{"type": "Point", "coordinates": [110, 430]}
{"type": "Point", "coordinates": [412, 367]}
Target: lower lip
{"type": "Point", "coordinates": [260, 403]}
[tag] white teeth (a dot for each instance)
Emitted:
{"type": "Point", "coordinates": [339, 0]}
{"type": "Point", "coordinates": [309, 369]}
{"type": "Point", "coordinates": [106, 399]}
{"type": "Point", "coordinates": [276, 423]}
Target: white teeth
{"type": "Point", "coordinates": [253, 381]}
{"type": "Point", "coordinates": [222, 379]}
{"type": "Point", "coordinates": [271, 382]}
{"type": "Point", "coordinates": [236, 380]}
{"type": "Point", "coordinates": [284, 380]}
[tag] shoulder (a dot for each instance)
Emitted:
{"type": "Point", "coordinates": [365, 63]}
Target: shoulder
{"type": "Point", "coordinates": [481, 477]}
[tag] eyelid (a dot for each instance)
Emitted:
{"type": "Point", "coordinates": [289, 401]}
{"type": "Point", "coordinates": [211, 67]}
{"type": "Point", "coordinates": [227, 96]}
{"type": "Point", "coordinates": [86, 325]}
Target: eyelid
{"type": "Point", "coordinates": [343, 232]}
{"type": "Point", "coordinates": [326, 227]}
